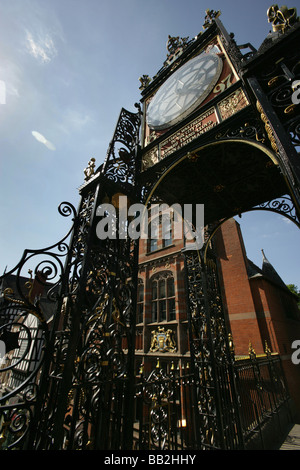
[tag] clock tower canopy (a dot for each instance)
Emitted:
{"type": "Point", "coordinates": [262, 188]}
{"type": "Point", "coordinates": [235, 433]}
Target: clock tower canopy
{"type": "Point", "coordinates": [209, 131]}
{"type": "Point", "coordinates": [183, 100]}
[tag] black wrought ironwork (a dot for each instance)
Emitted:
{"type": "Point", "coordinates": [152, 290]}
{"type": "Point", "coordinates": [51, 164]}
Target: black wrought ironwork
{"type": "Point", "coordinates": [24, 329]}
{"type": "Point", "coordinates": [283, 206]}
{"type": "Point", "coordinates": [217, 413]}
{"type": "Point", "coordinates": [273, 85]}
{"type": "Point", "coordinates": [89, 351]}
{"type": "Point", "coordinates": [68, 377]}
{"type": "Point", "coordinates": [168, 411]}
{"type": "Point", "coordinates": [164, 409]}
{"type": "Point", "coordinates": [264, 398]}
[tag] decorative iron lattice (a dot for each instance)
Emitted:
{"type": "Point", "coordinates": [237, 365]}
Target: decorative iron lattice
{"type": "Point", "coordinates": [120, 164]}
{"type": "Point", "coordinates": [94, 347]}
{"type": "Point", "coordinates": [217, 414]}
{"type": "Point", "coordinates": [86, 356]}
{"type": "Point", "coordinates": [26, 308]}
{"type": "Point", "coordinates": [283, 206]}
{"type": "Point", "coordinates": [68, 378]}
{"type": "Point", "coordinates": [165, 403]}
{"type": "Point", "coordinates": [273, 86]}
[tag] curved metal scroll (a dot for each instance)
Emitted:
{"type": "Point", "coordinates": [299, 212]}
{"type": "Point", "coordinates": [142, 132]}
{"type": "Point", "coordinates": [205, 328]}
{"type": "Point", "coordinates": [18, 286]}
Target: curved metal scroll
{"type": "Point", "coordinates": [27, 307]}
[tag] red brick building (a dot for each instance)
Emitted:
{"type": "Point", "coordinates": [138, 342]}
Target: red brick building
{"type": "Point", "coordinates": [258, 306]}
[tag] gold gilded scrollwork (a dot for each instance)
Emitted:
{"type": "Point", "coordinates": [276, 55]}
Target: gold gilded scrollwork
{"type": "Point", "coordinates": [282, 18]}
{"type": "Point", "coordinates": [268, 127]}
{"type": "Point", "coordinates": [145, 81]}
{"type": "Point", "coordinates": [9, 293]}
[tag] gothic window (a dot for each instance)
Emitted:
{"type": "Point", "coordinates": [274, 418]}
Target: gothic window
{"type": "Point", "coordinates": [166, 233]}
{"type": "Point", "coordinates": [160, 233]}
{"type": "Point", "coordinates": [153, 231]}
{"type": "Point", "coordinates": [140, 301]}
{"type": "Point", "coordinates": [163, 297]}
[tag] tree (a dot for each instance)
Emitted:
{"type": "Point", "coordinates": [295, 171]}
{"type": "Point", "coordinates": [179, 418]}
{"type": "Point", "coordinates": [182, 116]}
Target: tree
{"type": "Point", "coordinates": [294, 289]}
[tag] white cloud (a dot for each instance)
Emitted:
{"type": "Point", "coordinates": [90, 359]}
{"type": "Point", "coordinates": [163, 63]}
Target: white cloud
{"type": "Point", "coordinates": [40, 138]}
{"type": "Point", "coordinates": [10, 74]}
{"type": "Point", "coordinates": [74, 120]}
{"type": "Point", "coordinates": [41, 48]}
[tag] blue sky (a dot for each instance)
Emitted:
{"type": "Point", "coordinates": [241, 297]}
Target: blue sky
{"type": "Point", "coordinates": [69, 66]}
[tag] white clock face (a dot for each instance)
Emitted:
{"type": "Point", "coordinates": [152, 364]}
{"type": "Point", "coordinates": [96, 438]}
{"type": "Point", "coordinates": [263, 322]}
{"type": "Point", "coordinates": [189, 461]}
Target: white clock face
{"type": "Point", "coordinates": [184, 91]}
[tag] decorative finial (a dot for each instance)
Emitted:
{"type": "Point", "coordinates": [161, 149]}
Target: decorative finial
{"type": "Point", "coordinates": [252, 353]}
{"type": "Point", "coordinates": [145, 80]}
{"type": "Point", "coordinates": [210, 16]}
{"type": "Point", "coordinates": [267, 349]}
{"type": "Point", "coordinates": [175, 43]}
{"type": "Point", "coordinates": [90, 169]}
{"type": "Point", "coordinates": [282, 18]}
{"type": "Point", "coordinates": [231, 345]}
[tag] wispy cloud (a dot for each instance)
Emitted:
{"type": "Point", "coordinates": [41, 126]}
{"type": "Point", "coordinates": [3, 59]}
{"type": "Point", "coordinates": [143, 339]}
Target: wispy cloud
{"type": "Point", "coordinates": [40, 47]}
{"type": "Point", "coordinates": [10, 74]}
{"type": "Point", "coordinates": [40, 138]}
{"type": "Point", "coordinates": [74, 121]}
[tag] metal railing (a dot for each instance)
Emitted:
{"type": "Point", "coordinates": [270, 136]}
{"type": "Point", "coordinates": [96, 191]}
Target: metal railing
{"type": "Point", "coordinates": [167, 408]}
{"type": "Point", "coordinates": [263, 394]}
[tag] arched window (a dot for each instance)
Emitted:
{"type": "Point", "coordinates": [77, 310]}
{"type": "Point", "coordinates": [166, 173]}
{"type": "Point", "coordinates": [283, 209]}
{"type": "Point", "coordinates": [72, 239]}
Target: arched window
{"type": "Point", "coordinates": [166, 232]}
{"type": "Point", "coordinates": [160, 232]}
{"type": "Point", "coordinates": [140, 301]}
{"type": "Point", "coordinates": [163, 297]}
{"type": "Point", "coordinates": [153, 232]}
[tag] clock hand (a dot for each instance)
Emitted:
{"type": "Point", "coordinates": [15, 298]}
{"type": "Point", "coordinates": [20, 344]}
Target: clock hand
{"type": "Point", "coordinates": [186, 91]}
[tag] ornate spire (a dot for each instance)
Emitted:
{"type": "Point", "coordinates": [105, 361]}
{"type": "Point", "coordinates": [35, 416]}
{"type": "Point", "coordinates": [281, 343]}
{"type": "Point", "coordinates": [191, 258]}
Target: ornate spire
{"type": "Point", "coordinates": [210, 16]}
{"type": "Point", "coordinates": [270, 273]}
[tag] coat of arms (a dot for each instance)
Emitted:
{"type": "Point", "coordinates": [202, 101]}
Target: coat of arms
{"type": "Point", "coordinates": [162, 341]}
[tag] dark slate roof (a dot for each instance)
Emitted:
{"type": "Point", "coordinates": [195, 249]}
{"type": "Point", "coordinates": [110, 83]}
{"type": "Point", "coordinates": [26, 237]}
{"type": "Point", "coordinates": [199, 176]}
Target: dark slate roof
{"type": "Point", "coordinates": [9, 281]}
{"type": "Point", "coordinates": [267, 271]}
{"type": "Point", "coordinates": [253, 270]}
{"type": "Point", "coordinates": [270, 273]}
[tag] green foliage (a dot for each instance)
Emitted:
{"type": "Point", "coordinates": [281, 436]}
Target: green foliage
{"type": "Point", "coordinates": [294, 289]}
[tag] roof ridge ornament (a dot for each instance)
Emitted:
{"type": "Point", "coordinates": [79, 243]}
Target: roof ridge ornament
{"type": "Point", "coordinates": [176, 45]}
{"type": "Point", "coordinates": [282, 18]}
{"type": "Point", "coordinates": [211, 15]}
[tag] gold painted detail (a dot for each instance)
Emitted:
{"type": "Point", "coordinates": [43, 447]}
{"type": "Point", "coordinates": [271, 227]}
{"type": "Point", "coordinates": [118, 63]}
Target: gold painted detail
{"type": "Point", "coordinates": [211, 15]}
{"type": "Point", "coordinates": [8, 294]}
{"type": "Point", "coordinates": [162, 341]}
{"type": "Point", "coordinates": [268, 127]}
{"type": "Point", "coordinates": [198, 126]}
{"type": "Point", "coordinates": [282, 18]}
{"type": "Point", "coordinates": [192, 156]}
{"type": "Point", "coordinates": [290, 109]}
{"type": "Point", "coordinates": [145, 81]}
{"type": "Point", "coordinates": [235, 102]}
{"type": "Point", "coordinates": [175, 47]}
{"type": "Point", "coordinates": [89, 170]}
{"type": "Point", "coordinates": [251, 350]}
{"type": "Point", "coordinates": [186, 134]}
{"type": "Point", "coordinates": [219, 188]}
{"type": "Point", "coordinates": [150, 158]}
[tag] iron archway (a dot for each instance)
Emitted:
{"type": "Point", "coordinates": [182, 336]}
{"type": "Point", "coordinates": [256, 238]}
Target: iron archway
{"type": "Point", "coordinates": [252, 179]}
{"type": "Point", "coordinates": [267, 198]}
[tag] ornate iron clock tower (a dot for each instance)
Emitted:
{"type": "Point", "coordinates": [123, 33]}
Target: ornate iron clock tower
{"type": "Point", "coordinates": [217, 127]}
{"type": "Point", "coordinates": [220, 129]}
{"type": "Point", "coordinates": [231, 114]}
